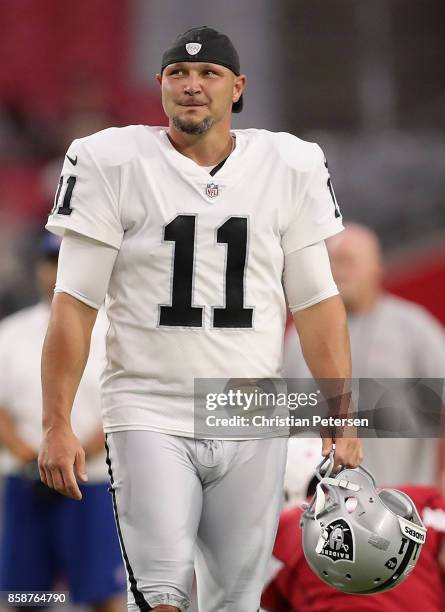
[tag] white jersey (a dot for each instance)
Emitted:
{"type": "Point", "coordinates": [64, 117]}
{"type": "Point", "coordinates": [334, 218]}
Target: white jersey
{"type": "Point", "coordinates": [196, 290]}
{"type": "Point", "coordinates": [21, 341]}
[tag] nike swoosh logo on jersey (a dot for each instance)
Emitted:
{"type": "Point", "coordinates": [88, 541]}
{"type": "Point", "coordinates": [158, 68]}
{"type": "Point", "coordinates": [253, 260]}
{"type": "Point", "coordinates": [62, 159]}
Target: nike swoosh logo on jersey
{"type": "Point", "coordinates": [73, 160]}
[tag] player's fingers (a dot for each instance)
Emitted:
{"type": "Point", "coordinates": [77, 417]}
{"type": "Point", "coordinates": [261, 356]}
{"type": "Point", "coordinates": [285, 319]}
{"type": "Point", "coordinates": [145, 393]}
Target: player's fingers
{"type": "Point", "coordinates": [348, 453]}
{"type": "Point", "coordinates": [326, 446]}
{"type": "Point", "coordinates": [49, 478]}
{"type": "Point", "coordinates": [80, 467]}
{"type": "Point", "coordinates": [42, 472]}
{"type": "Point", "coordinates": [353, 453]}
{"type": "Point", "coordinates": [358, 453]}
{"type": "Point", "coordinates": [340, 454]}
{"type": "Point", "coordinates": [339, 460]}
{"type": "Point", "coordinates": [43, 476]}
{"type": "Point", "coordinates": [57, 480]}
{"type": "Point", "coordinates": [70, 486]}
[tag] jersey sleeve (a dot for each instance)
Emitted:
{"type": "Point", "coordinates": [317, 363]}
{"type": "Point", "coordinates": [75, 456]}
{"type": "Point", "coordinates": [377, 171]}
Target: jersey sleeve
{"type": "Point", "coordinates": [86, 199]}
{"type": "Point", "coordinates": [84, 269]}
{"type": "Point", "coordinates": [315, 214]}
{"type": "Point", "coordinates": [307, 277]}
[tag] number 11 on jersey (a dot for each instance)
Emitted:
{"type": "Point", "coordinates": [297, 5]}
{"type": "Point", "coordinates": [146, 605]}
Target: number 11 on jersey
{"type": "Point", "coordinates": [233, 232]}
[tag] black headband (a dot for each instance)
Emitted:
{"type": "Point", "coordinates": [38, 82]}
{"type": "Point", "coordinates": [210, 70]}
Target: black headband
{"type": "Point", "coordinates": [204, 45]}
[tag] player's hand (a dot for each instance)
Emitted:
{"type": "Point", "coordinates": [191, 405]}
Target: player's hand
{"type": "Point", "coordinates": [348, 452]}
{"type": "Point", "coordinates": [61, 461]}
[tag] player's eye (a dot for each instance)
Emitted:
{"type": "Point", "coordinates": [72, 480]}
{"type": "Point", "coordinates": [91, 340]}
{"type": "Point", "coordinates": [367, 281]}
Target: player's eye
{"type": "Point", "coordinates": [176, 71]}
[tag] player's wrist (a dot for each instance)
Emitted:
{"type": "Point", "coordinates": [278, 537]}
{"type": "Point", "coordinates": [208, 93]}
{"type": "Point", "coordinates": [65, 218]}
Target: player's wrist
{"type": "Point", "coordinates": [56, 423]}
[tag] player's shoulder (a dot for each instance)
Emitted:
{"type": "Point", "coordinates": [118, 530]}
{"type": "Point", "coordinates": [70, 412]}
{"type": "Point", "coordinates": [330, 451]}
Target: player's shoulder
{"type": "Point", "coordinates": [114, 146]}
{"type": "Point", "coordinates": [293, 151]}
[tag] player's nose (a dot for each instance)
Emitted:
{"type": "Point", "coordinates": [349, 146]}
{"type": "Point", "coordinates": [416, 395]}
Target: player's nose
{"type": "Point", "coordinates": [192, 84]}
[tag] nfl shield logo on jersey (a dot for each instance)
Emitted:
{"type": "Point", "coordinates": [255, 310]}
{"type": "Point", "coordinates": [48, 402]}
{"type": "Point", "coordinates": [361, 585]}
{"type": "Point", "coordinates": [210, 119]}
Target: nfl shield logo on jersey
{"type": "Point", "coordinates": [193, 48]}
{"type": "Point", "coordinates": [212, 190]}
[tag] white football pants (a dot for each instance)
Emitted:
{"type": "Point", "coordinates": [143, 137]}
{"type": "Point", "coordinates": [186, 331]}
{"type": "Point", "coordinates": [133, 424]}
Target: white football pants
{"type": "Point", "coordinates": [185, 505]}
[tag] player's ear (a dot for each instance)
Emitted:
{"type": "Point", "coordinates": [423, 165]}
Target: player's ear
{"type": "Point", "coordinates": [159, 78]}
{"type": "Point", "coordinates": [239, 85]}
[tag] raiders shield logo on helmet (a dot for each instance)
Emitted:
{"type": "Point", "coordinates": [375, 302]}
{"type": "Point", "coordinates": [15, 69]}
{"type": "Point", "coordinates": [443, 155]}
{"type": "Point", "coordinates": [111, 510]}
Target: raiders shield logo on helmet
{"type": "Point", "coordinates": [339, 541]}
{"type": "Point", "coordinates": [193, 48]}
{"type": "Point", "coordinates": [212, 190]}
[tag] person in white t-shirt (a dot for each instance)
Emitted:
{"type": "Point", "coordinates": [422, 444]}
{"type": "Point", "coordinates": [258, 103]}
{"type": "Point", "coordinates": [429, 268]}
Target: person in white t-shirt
{"type": "Point", "coordinates": [45, 536]}
{"type": "Point", "coordinates": [190, 232]}
{"type": "Point", "coordinates": [390, 338]}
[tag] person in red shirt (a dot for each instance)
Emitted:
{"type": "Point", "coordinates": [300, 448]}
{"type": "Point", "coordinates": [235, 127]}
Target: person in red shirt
{"type": "Point", "coordinates": [296, 588]}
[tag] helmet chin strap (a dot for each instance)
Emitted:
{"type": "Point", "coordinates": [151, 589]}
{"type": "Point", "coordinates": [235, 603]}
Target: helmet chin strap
{"type": "Point", "coordinates": [320, 496]}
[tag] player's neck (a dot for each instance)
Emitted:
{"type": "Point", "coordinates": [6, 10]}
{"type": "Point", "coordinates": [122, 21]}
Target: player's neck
{"type": "Point", "coordinates": [205, 149]}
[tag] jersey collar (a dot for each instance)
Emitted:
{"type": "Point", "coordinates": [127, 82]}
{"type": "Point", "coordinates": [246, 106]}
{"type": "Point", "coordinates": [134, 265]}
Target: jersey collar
{"type": "Point", "coordinates": [198, 176]}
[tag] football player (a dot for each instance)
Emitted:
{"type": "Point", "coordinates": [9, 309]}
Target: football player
{"type": "Point", "coordinates": [189, 232]}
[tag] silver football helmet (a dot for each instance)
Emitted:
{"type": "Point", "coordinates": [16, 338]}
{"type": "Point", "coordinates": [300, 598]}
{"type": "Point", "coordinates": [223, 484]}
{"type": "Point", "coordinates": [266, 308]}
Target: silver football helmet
{"type": "Point", "coordinates": [357, 539]}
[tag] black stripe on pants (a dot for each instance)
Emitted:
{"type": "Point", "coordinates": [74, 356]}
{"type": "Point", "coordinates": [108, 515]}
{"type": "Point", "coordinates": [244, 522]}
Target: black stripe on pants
{"type": "Point", "coordinates": [138, 597]}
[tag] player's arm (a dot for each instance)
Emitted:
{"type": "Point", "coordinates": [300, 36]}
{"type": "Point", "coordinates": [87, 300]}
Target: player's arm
{"type": "Point", "coordinates": [64, 356]}
{"type": "Point", "coordinates": [320, 320]}
{"type": "Point", "coordinates": [84, 270]}
{"type": "Point", "coordinates": [324, 339]}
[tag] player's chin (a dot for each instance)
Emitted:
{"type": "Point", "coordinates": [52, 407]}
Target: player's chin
{"type": "Point", "coordinates": [192, 123]}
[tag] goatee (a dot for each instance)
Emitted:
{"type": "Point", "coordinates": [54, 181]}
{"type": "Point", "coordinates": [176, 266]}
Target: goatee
{"type": "Point", "coordinates": [191, 127]}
